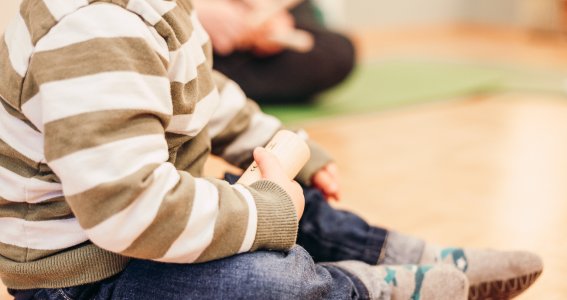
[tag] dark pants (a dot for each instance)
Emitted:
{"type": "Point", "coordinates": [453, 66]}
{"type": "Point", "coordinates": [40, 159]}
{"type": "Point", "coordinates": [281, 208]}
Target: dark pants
{"type": "Point", "coordinates": [292, 77]}
{"type": "Point", "coordinates": [326, 234]}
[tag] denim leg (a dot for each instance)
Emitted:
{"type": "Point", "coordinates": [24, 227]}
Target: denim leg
{"type": "Point", "coordinates": [330, 235]}
{"type": "Point", "coordinates": [101, 290]}
{"type": "Point", "coordinates": [258, 275]}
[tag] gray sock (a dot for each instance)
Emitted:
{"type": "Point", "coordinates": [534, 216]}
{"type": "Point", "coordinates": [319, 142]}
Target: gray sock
{"type": "Point", "coordinates": [491, 274]}
{"type": "Point", "coordinates": [374, 281]}
{"type": "Point", "coordinates": [402, 249]}
{"type": "Point", "coordinates": [426, 282]}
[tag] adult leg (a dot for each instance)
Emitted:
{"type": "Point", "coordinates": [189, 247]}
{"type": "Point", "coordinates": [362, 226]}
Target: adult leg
{"type": "Point", "coordinates": [292, 77]}
{"type": "Point", "coordinates": [306, 15]}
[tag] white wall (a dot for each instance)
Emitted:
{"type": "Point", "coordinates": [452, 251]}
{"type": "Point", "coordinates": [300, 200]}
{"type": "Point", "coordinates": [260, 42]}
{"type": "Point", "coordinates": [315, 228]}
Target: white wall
{"type": "Point", "coordinates": [388, 13]}
{"type": "Point", "coordinates": [543, 14]}
{"type": "Point", "coordinates": [490, 11]}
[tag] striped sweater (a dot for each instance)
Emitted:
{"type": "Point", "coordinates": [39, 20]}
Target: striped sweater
{"type": "Point", "coordinates": [109, 111]}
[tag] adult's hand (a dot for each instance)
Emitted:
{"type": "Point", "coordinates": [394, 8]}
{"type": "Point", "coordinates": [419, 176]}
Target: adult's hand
{"type": "Point", "coordinates": [263, 44]}
{"type": "Point", "coordinates": [226, 24]}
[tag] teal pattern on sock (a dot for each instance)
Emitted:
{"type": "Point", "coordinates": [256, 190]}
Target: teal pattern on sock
{"type": "Point", "coordinates": [445, 252]}
{"type": "Point", "coordinates": [391, 277]}
{"type": "Point", "coordinates": [459, 258]}
{"type": "Point", "coordinates": [419, 277]}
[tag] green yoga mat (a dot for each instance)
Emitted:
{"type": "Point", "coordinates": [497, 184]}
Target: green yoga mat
{"type": "Point", "coordinates": [382, 85]}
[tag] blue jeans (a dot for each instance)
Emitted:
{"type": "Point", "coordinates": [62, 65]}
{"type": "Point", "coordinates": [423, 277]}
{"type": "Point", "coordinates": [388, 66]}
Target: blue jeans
{"type": "Point", "coordinates": [325, 235]}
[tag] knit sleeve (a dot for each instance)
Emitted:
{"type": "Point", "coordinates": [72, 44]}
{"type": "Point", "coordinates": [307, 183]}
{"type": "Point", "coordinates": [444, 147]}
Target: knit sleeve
{"type": "Point", "coordinates": [238, 126]}
{"type": "Point", "coordinates": [105, 103]}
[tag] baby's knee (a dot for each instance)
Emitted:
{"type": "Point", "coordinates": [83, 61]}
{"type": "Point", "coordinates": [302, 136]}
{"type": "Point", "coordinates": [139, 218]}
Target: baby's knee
{"type": "Point", "coordinates": [291, 275]}
{"type": "Point", "coordinates": [257, 275]}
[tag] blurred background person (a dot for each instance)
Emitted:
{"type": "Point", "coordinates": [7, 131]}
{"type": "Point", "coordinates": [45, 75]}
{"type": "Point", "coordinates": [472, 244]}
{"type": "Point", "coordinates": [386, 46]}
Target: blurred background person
{"type": "Point", "coordinates": [267, 71]}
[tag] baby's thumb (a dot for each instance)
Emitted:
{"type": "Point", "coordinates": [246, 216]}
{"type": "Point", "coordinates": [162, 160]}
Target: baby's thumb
{"type": "Point", "coordinates": [267, 163]}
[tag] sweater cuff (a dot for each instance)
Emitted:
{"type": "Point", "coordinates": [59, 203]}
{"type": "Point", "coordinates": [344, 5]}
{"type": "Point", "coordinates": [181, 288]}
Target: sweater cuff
{"type": "Point", "coordinates": [277, 219]}
{"type": "Point", "coordinates": [319, 159]}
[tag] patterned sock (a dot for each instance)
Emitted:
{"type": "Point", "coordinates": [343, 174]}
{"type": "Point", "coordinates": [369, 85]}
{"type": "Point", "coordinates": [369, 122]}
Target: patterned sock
{"type": "Point", "coordinates": [410, 282]}
{"type": "Point", "coordinates": [492, 274]}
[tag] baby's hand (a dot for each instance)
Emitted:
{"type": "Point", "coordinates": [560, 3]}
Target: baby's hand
{"type": "Point", "coordinates": [327, 180]}
{"type": "Point", "coordinates": [271, 169]}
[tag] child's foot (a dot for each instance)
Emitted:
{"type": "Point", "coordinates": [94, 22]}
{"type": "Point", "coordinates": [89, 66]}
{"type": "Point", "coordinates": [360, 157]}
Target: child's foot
{"type": "Point", "coordinates": [410, 282]}
{"type": "Point", "coordinates": [492, 274]}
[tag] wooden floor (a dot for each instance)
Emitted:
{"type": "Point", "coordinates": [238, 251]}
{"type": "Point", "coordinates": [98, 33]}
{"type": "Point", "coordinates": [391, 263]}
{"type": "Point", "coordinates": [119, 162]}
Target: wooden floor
{"type": "Point", "coordinates": [480, 172]}
{"type": "Point", "coordinates": [487, 172]}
